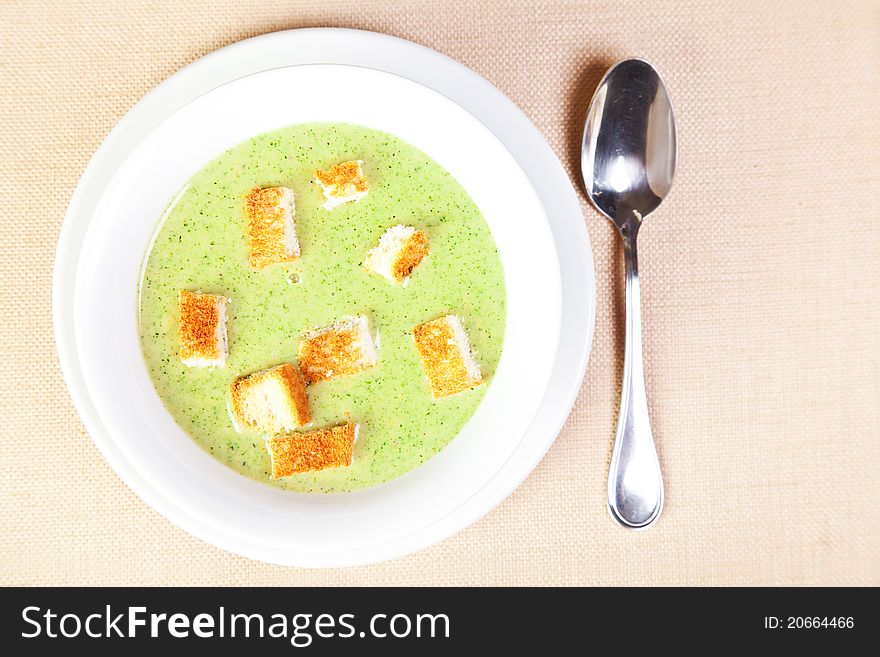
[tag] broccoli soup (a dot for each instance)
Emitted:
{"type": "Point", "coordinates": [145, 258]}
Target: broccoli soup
{"type": "Point", "coordinates": [322, 332]}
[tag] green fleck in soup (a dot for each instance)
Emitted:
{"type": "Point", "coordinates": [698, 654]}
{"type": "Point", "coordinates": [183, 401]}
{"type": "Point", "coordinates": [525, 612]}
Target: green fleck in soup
{"type": "Point", "coordinates": [202, 245]}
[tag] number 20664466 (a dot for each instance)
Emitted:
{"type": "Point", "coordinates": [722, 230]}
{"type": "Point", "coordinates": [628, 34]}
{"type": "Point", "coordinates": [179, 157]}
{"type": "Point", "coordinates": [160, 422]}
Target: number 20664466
{"type": "Point", "coordinates": [808, 622]}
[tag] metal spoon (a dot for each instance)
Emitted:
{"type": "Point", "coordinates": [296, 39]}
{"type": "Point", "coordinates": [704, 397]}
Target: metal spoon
{"type": "Point", "coordinates": [627, 161]}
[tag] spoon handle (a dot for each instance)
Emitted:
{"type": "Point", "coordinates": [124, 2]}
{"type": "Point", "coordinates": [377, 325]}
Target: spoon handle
{"type": "Point", "coordinates": [635, 485]}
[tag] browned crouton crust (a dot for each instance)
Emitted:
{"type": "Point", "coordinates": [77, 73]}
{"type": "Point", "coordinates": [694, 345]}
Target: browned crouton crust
{"type": "Point", "coordinates": [266, 227]}
{"type": "Point", "coordinates": [410, 255]}
{"type": "Point", "coordinates": [443, 359]}
{"type": "Point", "coordinates": [345, 178]}
{"type": "Point", "coordinates": [340, 349]}
{"type": "Point", "coordinates": [313, 450]}
{"type": "Point", "coordinates": [197, 326]}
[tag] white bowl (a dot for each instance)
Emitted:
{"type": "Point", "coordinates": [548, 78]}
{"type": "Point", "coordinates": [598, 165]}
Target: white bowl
{"type": "Point", "coordinates": [104, 241]}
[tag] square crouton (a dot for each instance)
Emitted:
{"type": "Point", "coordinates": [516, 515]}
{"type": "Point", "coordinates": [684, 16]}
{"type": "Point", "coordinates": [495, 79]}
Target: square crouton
{"type": "Point", "coordinates": [446, 356]}
{"type": "Point", "coordinates": [313, 450]}
{"type": "Point", "coordinates": [400, 250]}
{"type": "Point", "coordinates": [271, 216]}
{"type": "Point", "coordinates": [342, 183]}
{"type": "Point", "coordinates": [201, 329]}
{"type": "Point", "coordinates": [271, 400]}
{"type": "Point", "coordinates": [345, 347]}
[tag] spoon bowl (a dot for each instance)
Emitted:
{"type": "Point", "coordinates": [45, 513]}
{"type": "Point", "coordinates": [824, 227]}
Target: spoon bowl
{"type": "Point", "coordinates": [628, 159]}
{"type": "Point", "coordinates": [630, 146]}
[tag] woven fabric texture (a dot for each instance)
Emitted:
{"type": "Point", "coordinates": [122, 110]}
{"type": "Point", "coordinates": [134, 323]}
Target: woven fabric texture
{"type": "Point", "coordinates": [760, 291]}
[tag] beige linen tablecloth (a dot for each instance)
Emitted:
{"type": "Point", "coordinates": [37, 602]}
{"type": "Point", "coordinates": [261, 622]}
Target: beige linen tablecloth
{"type": "Point", "coordinates": [761, 290]}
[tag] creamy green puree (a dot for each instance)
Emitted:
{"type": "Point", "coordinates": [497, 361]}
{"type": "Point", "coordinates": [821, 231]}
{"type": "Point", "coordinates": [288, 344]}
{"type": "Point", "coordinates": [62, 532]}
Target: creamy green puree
{"type": "Point", "coordinates": [201, 244]}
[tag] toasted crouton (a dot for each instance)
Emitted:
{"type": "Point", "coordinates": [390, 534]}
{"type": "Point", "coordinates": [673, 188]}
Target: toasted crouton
{"type": "Point", "coordinates": [271, 215]}
{"type": "Point", "coordinates": [270, 400]}
{"type": "Point", "coordinates": [446, 356]}
{"type": "Point", "coordinates": [345, 347]}
{"type": "Point", "coordinates": [342, 183]}
{"type": "Point", "coordinates": [201, 329]}
{"type": "Point", "coordinates": [313, 450]}
{"type": "Point", "coordinates": [400, 250]}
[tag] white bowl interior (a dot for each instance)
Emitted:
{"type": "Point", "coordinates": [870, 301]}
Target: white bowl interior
{"type": "Point", "coordinates": [120, 230]}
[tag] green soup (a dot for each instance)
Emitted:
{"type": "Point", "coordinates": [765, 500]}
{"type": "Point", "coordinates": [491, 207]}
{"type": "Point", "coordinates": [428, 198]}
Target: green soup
{"type": "Point", "coordinates": [201, 244]}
